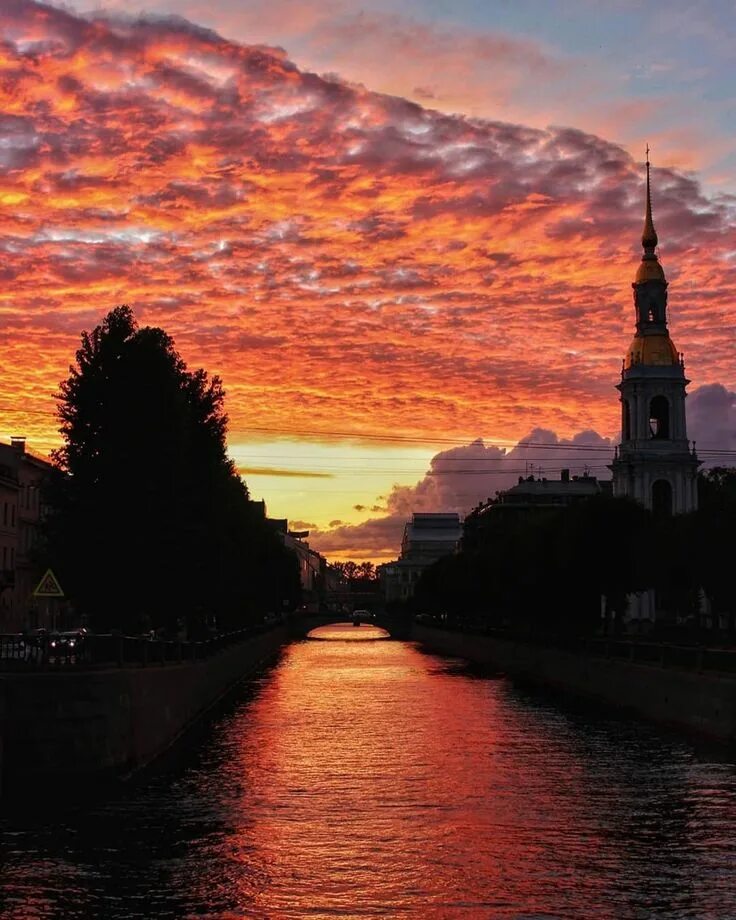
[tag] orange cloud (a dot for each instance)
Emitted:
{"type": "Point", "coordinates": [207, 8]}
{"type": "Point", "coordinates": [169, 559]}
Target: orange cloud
{"type": "Point", "coordinates": [345, 260]}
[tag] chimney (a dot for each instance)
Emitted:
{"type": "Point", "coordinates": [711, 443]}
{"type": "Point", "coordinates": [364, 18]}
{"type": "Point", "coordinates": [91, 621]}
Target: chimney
{"type": "Point", "coordinates": [18, 444]}
{"type": "Point", "coordinates": [565, 476]}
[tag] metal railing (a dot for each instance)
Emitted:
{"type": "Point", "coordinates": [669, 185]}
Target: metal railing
{"type": "Point", "coordinates": [88, 651]}
{"type": "Point", "coordinates": [657, 654]}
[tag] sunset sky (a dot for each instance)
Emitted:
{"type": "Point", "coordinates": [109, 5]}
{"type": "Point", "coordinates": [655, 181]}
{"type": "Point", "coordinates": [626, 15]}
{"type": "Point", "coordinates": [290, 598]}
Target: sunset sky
{"type": "Point", "coordinates": [391, 235]}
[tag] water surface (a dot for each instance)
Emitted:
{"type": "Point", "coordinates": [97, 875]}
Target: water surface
{"type": "Point", "coordinates": [369, 779]}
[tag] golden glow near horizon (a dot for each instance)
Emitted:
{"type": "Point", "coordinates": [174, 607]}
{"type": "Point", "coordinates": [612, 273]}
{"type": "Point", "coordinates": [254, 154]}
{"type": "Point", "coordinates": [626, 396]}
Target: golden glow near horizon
{"type": "Point", "coordinates": [347, 262]}
{"type": "Point", "coordinates": [337, 483]}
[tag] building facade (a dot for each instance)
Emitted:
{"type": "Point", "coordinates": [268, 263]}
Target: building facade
{"type": "Point", "coordinates": [8, 534]}
{"type": "Point", "coordinates": [655, 463]}
{"type": "Point", "coordinates": [427, 538]}
{"type": "Point", "coordinates": [22, 475]}
{"type": "Point", "coordinates": [313, 567]}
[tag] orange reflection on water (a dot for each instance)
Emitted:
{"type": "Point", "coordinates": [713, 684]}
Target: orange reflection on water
{"type": "Point", "coordinates": [349, 632]}
{"type": "Point", "coordinates": [369, 779]}
{"type": "Point", "coordinates": [380, 781]}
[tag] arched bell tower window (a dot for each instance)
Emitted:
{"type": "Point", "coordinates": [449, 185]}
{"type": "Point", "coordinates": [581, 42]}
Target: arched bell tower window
{"type": "Point", "coordinates": [659, 417]}
{"type": "Point", "coordinates": [662, 498]}
{"type": "Point", "coordinates": [626, 421]}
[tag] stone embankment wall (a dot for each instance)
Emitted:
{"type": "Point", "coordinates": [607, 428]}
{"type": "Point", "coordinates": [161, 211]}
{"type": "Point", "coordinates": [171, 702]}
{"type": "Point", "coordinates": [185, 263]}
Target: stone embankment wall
{"type": "Point", "coordinates": [59, 729]}
{"type": "Point", "coordinates": [702, 703]}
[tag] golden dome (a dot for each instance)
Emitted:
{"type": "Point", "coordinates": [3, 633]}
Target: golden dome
{"type": "Point", "coordinates": [656, 350]}
{"type": "Point", "coordinates": [649, 270]}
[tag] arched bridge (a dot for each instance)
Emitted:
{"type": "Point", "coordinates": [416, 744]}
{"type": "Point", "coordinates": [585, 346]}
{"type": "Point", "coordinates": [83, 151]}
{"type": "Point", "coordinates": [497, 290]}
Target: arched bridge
{"type": "Point", "coordinates": [396, 627]}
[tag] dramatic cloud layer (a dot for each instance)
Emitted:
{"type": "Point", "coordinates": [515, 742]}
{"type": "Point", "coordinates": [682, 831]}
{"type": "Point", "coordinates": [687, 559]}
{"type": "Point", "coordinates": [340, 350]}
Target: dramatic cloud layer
{"type": "Point", "coordinates": [349, 262]}
{"type": "Point", "coordinates": [346, 260]}
{"type": "Point", "coordinates": [664, 72]}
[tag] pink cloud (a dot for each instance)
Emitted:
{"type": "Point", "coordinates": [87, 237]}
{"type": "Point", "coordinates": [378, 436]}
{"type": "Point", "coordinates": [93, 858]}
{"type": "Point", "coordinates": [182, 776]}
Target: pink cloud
{"type": "Point", "coordinates": [460, 478]}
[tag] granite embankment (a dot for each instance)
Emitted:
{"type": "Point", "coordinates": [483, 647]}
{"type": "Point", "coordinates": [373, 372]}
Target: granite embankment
{"type": "Point", "coordinates": [79, 727]}
{"type": "Point", "coordinates": [698, 702]}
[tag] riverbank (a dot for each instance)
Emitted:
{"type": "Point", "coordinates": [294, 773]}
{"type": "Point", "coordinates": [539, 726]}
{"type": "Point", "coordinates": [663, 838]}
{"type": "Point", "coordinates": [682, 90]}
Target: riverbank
{"type": "Point", "coordinates": [702, 704]}
{"type": "Point", "coordinates": [77, 728]}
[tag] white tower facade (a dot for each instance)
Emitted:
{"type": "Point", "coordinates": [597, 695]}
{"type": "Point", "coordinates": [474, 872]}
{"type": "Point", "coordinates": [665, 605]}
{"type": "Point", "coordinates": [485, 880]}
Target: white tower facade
{"type": "Point", "coordinates": [655, 463]}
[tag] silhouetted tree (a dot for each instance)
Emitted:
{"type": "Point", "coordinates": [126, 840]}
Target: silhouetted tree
{"type": "Point", "coordinates": [605, 548]}
{"type": "Point", "coordinates": [714, 546]}
{"type": "Point", "coordinates": [152, 524]}
{"type": "Point", "coordinates": [546, 571]}
{"type": "Point", "coordinates": [717, 487]}
{"type": "Point", "coordinates": [356, 573]}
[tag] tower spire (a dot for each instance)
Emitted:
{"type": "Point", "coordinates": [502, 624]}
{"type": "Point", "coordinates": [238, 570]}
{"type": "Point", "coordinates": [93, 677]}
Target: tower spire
{"type": "Point", "coordinates": [649, 236]}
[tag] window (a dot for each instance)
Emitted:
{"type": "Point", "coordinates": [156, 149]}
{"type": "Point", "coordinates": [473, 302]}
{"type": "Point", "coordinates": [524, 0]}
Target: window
{"type": "Point", "coordinates": [659, 417]}
{"type": "Point", "coordinates": [12, 515]}
{"type": "Point", "coordinates": [662, 498]}
{"type": "Point", "coordinates": [626, 422]}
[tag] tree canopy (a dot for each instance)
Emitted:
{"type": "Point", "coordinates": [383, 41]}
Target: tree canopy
{"type": "Point", "coordinates": [151, 523]}
{"type": "Point", "coordinates": [362, 573]}
{"type": "Point", "coordinates": [551, 569]}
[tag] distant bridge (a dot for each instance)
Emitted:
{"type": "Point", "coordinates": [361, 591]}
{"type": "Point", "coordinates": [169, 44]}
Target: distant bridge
{"type": "Point", "coordinates": [396, 627]}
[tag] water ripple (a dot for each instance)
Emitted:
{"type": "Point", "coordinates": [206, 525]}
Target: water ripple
{"type": "Point", "coordinates": [369, 779]}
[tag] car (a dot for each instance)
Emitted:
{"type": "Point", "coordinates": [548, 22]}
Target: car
{"type": "Point", "coordinates": [70, 638]}
{"type": "Point", "coordinates": [67, 645]}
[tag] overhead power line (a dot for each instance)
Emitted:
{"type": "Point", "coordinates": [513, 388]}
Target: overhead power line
{"type": "Point", "coordinates": [506, 444]}
{"type": "Point", "coordinates": [361, 471]}
{"type": "Point", "coordinates": [510, 444]}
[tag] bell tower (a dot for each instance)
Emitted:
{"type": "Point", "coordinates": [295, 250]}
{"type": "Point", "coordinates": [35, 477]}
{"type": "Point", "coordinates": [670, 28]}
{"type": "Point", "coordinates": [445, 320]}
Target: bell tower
{"type": "Point", "coordinates": [654, 462]}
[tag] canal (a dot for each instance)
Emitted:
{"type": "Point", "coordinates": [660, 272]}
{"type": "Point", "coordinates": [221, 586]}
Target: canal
{"type": "Point", "coordinates": [366, 778]}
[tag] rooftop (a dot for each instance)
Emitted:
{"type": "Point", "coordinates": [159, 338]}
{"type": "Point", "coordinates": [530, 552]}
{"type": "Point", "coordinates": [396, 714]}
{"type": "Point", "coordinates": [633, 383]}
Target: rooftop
{"type": "Point", "coordinates": [578, 485]}
{"type": "Point", "coordinates": [431, 520]}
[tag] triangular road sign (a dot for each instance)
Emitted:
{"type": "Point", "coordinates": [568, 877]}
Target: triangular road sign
{"type": "Point", "coordinates": [48, 586]}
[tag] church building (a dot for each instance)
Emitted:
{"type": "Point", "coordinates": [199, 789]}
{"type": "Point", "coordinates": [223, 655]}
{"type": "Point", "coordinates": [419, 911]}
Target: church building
{"type": "Point", "coordinates": [655, 463]}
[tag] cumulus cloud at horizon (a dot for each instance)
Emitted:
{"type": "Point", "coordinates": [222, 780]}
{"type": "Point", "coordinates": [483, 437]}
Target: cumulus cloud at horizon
{"type": "Point", "coordinates": [461, 477]}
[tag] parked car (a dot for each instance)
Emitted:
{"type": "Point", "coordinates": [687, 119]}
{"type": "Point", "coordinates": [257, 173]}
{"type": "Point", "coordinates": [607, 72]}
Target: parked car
{"type": "Point", "coordinates": [67, 645]}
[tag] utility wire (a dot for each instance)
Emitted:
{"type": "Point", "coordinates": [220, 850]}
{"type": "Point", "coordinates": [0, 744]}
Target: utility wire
{"type": "Point", "coordinates": [465, 442]}
{"type": "Point", "coordinates": [456, 472]}
{"type": "Point", "coordinates": [508, 444]}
